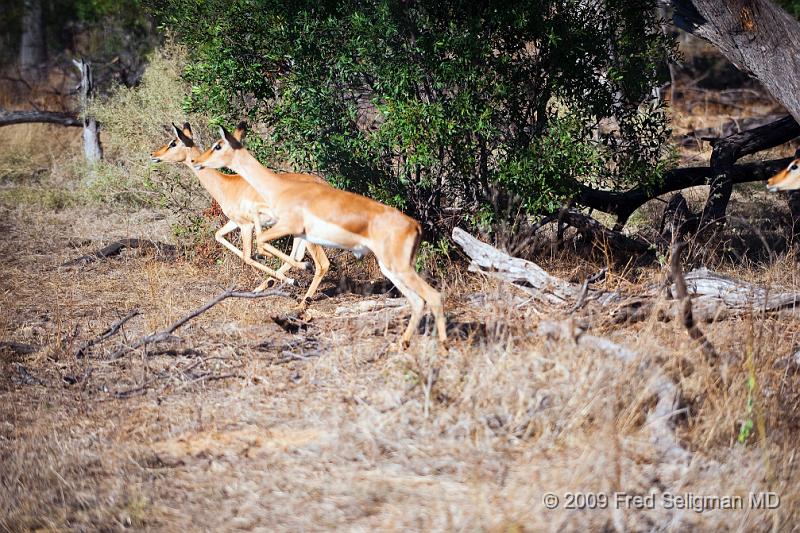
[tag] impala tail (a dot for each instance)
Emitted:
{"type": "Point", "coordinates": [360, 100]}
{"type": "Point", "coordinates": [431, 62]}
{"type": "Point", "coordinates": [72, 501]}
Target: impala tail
{"type": "Point", "coordinates": [787, 179]}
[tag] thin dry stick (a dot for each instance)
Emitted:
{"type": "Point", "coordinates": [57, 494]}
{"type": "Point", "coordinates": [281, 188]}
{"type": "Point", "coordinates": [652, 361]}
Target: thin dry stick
{"type": "Point", "coordinates": [581, 301]}
{"type": "Point", "coordinates": [686, 304]}
{"type": "Point", "coordinates": [110, 331]}
{"type": "Point", "coordinates": [166, 334]}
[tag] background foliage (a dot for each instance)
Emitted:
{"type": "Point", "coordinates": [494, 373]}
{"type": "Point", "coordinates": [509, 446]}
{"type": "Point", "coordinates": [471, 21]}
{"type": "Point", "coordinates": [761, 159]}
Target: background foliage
{"type": "Point", "coordinates": [431, 106]}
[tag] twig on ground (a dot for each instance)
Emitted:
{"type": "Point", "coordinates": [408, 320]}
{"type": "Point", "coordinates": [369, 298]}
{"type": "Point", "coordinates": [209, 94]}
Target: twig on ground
{"type": "Point", "coordinates": [166, 334]}
{"type": "Point", "coordinates": [110, 331]}
{"type": "Point", "coordinates": [686, 304]}
{"type": "Point", "coordinates": [581, 301]}
{"type": "Point", "coordinates": [116, 247]}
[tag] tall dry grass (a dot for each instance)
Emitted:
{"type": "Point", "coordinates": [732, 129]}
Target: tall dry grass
{"type": "Point", "coordinates": [135, 121]}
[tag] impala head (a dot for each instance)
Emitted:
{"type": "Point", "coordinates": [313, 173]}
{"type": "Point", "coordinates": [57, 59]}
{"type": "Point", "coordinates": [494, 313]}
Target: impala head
{"type": "Point", "coordinates": [221, 152]}
{"type": "Point", "coordinates": [176, 151]}
{"type": "Point", "coordinates": [787, 179]}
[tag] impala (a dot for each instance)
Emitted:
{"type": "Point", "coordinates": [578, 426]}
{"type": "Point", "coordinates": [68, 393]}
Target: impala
{"type": "Point", "coordinates": [335, 218]}
{"type": "Point", "coordinates": [243, 206]}
{"type": "Point", "coordinates": [787, 179]}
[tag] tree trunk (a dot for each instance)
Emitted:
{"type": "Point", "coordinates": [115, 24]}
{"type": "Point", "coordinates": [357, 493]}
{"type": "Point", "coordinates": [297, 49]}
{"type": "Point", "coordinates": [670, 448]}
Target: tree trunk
{"type": "Point", "coordinates": [757, 36]}
{"type": "Point", "coordinates": [761, 39]}
{"type": "Point", "coordinates": [32, 52]}
{"type": "Point", "coordinates": [92, 150]}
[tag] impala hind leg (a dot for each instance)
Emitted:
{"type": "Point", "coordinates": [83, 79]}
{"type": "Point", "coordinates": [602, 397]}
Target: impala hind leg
{"type": "Point", "coordinates": [414, 299]}
{"type": "Point", "coordinates": [432, 297]}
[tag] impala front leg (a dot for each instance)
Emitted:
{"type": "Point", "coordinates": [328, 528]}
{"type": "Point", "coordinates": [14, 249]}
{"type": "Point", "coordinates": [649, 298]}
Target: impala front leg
{"type": "Point", "coordinates": [247, 246]}
{"type": "Point", "coordinates": [268, 249]}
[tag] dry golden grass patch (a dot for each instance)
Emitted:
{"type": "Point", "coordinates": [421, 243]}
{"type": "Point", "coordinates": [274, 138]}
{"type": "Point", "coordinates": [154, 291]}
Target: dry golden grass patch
{"type": "Point", "coordinates": [223, 430]}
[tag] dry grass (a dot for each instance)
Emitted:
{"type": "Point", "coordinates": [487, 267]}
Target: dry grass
{"type": "Point", "coordinates": [239, 425]}
{"type": "Point", "coordinates": [220, 431]}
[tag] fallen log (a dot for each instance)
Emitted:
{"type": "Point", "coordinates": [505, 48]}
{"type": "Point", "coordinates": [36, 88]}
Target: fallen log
{"type": "Point", "coordinates": [116, 247]}
{"type": "Point", "coordinates": [713, 296]}
{"type": "Point", "coordinates": [8, 118]}
{"type": "Point", "coordinates": [524, 274]}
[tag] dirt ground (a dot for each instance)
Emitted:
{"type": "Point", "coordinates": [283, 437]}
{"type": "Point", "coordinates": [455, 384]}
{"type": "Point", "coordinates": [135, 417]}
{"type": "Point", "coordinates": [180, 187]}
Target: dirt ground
{"type": "Point", "coordinates": [238, 424]}
{"type": "Point", "coordinates": [244, 423]}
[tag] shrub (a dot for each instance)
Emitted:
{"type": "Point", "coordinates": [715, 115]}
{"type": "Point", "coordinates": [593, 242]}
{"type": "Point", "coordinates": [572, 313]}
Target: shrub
{"type": "Point", "coordinates": [428, 105]}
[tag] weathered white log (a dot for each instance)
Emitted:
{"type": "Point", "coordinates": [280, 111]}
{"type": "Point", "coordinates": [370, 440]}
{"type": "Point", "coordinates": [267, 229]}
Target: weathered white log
{"type": "Point", "coordinates": [714, 296]}
{"type": "Point", "coordinates": [491, 261]}
{"type": "Point", "coordinates": [706, 286]}
{"type": "Point", "coordinates": [366, 306]}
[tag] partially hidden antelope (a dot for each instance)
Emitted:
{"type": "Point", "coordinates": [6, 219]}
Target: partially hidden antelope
{"type": "Point", "coordinates": [339, 219]}
{"type": "Point", "coordinates": [787, 179]}
{"type": "Point", "coordinates": [244, 207]}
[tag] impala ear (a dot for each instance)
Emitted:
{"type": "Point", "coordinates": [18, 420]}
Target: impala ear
{"type": "Point", "coordinates": [187, 129]}
{"type": "Point", "coordinates": [240, 131]}
{"type": "Point", "coordinates": [185, 139]}
{"type": "Point", "coordinates": [232, 141]}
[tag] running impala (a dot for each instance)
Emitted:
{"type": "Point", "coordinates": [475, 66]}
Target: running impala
{"type": "Point", "coordinates": [243, 206]}
{"type": "Point", "coordinates": [339, 219]}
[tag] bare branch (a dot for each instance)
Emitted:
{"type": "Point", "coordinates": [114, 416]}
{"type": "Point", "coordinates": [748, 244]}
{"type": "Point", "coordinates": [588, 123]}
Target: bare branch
{"type": "Point", "coordinates": [686, 304]}
{"type": "Point", "coordinates": [166, 334]}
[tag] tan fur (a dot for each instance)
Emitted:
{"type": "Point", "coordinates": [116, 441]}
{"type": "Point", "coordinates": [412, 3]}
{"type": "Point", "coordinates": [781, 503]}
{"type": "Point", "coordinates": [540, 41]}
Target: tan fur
{"type": "Point", "coordinates": [241, 203]}
{"type": "Point", "coordinates": [787, 179]}
{"type": "Point", "coordinates": [332, 217]}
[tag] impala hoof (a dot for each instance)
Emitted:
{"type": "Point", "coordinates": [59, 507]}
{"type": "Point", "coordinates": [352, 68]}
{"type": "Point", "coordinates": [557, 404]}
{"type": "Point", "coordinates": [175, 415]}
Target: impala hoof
{"type": "Point", "coordinates": [267, 284]}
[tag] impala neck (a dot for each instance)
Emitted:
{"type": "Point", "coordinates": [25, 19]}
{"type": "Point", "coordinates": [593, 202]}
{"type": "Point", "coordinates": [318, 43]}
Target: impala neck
{"type": "Point", "coordinates": [263, 180]}
{"type": "Point", "coordinates": [211, 179]}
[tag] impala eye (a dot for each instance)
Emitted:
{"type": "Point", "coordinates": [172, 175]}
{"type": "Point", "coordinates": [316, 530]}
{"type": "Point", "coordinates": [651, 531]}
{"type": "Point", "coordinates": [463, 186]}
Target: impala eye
{"type": "Point", "coordinates": [793, 167]}
{"type": "Point", "coordinates": [172, 144]}
{"type": "Point", "coordinates": [218, 146]}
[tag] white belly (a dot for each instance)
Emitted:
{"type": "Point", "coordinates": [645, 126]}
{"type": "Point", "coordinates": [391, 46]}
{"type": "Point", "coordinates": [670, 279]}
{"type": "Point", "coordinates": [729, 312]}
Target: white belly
{"type": "Point", "coordinates": [330, 235]}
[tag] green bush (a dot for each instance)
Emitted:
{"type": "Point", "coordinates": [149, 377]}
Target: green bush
{"type": "Point", "coordinates": [430, 105]}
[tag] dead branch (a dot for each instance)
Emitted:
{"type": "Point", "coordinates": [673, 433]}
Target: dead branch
{"type": "Point", "coordinates": [623, 204]}
{"type": "Point", "coordinates": [166, 334]}
{"type": "Point", "coordinates": [581, 301]}
{"type": "Point", "coordinates": [686, 304]}
{"type": "Point", "coordinates": [116, 247]}
{"type": "Point", "coordinates": [8, 118]}
{"type": "Point", "coordinates": [110, 331]}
